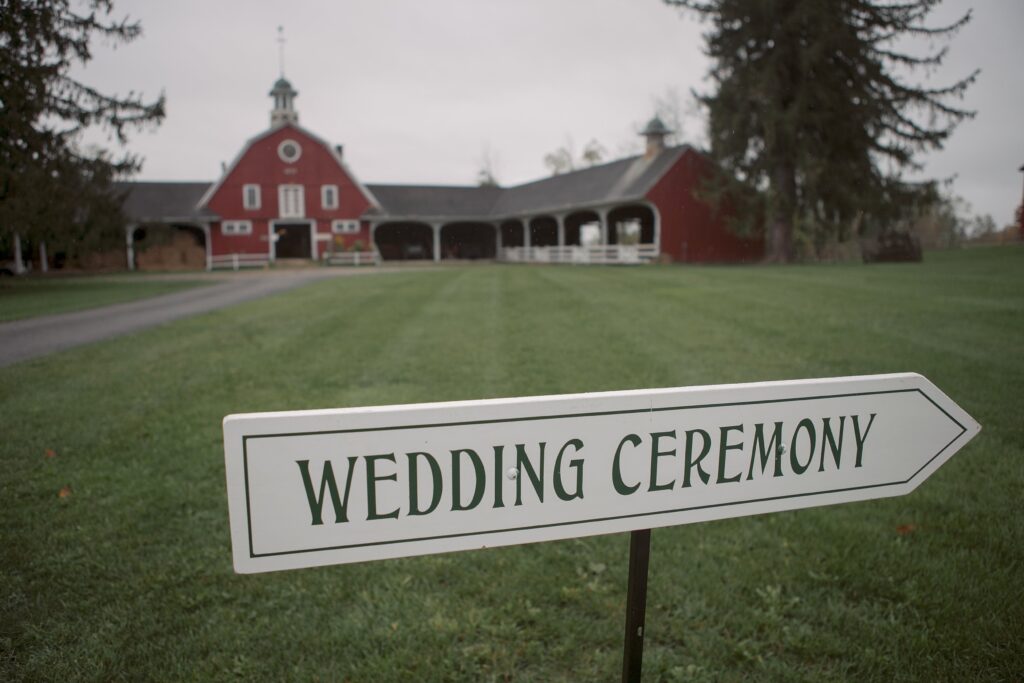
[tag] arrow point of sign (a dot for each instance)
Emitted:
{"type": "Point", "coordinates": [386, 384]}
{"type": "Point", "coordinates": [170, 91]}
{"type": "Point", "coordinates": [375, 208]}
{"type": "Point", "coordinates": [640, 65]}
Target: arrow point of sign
{"type": "Point", "coordinates": [966, 425]}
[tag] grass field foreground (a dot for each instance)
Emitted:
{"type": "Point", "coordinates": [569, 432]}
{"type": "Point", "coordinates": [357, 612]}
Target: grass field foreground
{"type": "Point", "coordinates": [35, 296]}
{"type": "Point", "coordinates": [116, 560]}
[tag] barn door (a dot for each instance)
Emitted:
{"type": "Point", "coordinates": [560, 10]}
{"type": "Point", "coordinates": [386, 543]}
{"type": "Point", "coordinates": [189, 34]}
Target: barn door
{"type": "Point", "coordinates": [293, 241]}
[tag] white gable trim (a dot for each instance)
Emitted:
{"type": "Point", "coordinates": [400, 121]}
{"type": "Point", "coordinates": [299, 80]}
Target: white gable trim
{"type": "Point", "coordinates": [315, 138]}
{"type": "Point", "coordinates": [344, 167]}
{"type": "Point", "coordinates": [352, 176]}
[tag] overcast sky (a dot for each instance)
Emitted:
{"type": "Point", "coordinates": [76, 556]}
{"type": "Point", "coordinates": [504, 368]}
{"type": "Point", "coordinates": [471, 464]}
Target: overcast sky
{"type": "Point", "coordinates": [418, 91]}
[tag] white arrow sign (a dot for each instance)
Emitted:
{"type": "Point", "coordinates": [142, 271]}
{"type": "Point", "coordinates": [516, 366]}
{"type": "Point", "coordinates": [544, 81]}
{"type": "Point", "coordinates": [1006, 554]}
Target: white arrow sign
{"type": "Point", "coordinates": [323, 487]}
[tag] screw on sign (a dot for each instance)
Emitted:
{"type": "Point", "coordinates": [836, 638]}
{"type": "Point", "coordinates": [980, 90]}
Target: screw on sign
{"type": "Point", "coordinates": [321, 487]}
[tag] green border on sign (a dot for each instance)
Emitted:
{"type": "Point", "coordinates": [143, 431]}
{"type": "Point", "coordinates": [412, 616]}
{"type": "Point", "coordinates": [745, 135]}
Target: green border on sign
{"type": "Point", "coordinates": [248, 510]}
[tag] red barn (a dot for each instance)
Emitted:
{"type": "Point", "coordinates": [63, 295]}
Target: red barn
{"type": "Point", "coordinates": [1020, 215]}
{"type": "Point", "coordinates": [289, 195]}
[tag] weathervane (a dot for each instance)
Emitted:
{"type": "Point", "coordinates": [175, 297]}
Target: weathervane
{"type": "Point", "coordinates": [280, 49]}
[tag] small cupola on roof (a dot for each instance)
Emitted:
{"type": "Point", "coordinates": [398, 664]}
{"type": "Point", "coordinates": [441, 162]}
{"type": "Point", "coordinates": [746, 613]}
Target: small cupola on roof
{"type": "Point", "coordinates": [282, 92]}
{"type": "Point", "coordinates": [284, 103]}
{"type": "Point", "coordinates": [655, 132]}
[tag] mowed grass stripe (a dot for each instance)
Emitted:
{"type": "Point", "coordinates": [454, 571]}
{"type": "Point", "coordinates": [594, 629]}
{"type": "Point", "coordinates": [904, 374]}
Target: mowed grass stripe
{"type": "Point", "coordinates": [130, 577]}
{"type": "Point", "coordinates": [711, 335]}
{"type": "Point", "coordinates": [443, 339]}
{"type": "Point", "coordinates": [829, 322]}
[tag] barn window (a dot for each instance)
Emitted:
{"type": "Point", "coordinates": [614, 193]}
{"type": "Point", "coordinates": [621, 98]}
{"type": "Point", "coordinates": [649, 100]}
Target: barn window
{"type": "Point", "coordinates": [236, 228]}
{"type": "Point", "coordinates": [344, 227]}
{"type": "Point", "coordinates": [329, 196]}
{"type": "Point", "coordinates": [291, 201]}
{"type": "Point", "coordinates": [289, 151]}
{"type": "Point", "coordinates": [251, 196]}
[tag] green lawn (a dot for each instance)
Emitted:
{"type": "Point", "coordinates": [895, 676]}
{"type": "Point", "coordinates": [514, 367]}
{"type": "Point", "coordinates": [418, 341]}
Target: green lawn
{"type": "Point", "coordinates": [130, 578]}
{"type": "Point", "coordinates": [33, 296]}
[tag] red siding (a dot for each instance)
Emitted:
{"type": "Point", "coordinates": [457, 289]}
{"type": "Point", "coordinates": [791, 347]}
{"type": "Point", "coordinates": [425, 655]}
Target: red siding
{"type": "Point", "coordinates": [261, 165]}
{"type": "Point", "coordinates": [690, 230]}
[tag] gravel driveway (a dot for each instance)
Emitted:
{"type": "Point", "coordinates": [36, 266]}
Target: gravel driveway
{"type": "Point", "coordinates": [33, 337]}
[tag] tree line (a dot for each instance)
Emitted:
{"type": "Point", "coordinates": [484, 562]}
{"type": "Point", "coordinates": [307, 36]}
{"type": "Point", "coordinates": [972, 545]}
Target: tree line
{"type": "Point", "coordinates": [811, 117]}
{"type": "Point", "coordinates": [53, 187]}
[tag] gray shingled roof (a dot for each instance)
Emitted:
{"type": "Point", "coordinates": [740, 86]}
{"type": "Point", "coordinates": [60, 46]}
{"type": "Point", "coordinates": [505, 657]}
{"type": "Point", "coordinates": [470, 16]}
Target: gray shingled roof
{"type": "Point", "coordinates": [623, 180]}
{"type": "Point", "coordinates": [618, 181]}
{"type": "Point", "coordinates": [162, 201]}
{"type": "Point", "coordinates": [424, 201]}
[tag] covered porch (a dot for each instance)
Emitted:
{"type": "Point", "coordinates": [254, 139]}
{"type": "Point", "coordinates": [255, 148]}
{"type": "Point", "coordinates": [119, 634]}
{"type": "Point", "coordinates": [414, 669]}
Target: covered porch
{"type": "Point", "coordinates": [621, 234]}
{"type": "Point", "coordinates": [435, 240]}
{"type": "Point", "coordinates": [616, 234]}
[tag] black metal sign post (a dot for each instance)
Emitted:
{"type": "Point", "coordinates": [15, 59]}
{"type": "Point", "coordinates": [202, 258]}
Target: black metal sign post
{"type": "Point", "coordinates": [636, 605]}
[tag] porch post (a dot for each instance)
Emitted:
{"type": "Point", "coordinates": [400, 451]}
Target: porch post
{"type": "Point", "coordinates": [497, 240]}
{"type": "Point", "coordinates": [603, 213]}
{"type": "Point", "coordinates": [129, 238]}
{"type": "Point", "coordinates": [271, 242]}
{"type": "Point", "coordinates": [43, 266]}
{"type": "Point", "coordinates": [526, 233]}
{"type": "Point", "coordinates": [657, 227]}
{"type": "Point", "coordinates": [436, 227]}
{"type": "Point", "coordinates": [209, 247]}
{"type": "Point", "coordinates": [561, 229]}
{"type": "Point", "coordinates": [19, 265]}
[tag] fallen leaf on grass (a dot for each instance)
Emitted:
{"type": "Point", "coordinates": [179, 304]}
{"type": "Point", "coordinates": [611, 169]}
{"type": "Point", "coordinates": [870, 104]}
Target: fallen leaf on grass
{"type": "Point", "coordinates": [65, 492]}
{"type": "Point", "coordinates": [904, 529]}
{"type": "Point", "coordinates": [50, 453]}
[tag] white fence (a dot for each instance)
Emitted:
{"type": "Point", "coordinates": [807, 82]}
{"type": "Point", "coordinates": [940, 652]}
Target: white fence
{"type": "Point", "coordinates": [237, 261]}
{"type": "Point", "coordinates": [353, 258]}
{"type": "Point", "coordinates": [598, 254]}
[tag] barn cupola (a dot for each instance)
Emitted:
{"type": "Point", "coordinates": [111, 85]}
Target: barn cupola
{"type": "Point", "coordinates": [284, 103]}
{"type": "Point", "coordinates": [655, 132]}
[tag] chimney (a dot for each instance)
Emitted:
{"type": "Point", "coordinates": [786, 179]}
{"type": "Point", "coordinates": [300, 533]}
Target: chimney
{"type": "Point", "coordinates": [339, 149]}
{"type": "Point", "coordinates": [655, 132]}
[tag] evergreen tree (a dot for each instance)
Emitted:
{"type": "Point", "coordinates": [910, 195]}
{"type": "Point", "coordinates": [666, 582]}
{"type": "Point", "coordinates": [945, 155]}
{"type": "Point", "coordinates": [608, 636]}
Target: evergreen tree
{"type": "Point", "coordinates": [811, 119]}
{"type": "Point", "coordinates": [51, 188]}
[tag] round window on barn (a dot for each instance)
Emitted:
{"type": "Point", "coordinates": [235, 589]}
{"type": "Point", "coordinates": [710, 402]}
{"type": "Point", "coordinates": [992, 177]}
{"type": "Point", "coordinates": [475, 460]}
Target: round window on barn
{"type": "Point", "coordinates": [289, 151]}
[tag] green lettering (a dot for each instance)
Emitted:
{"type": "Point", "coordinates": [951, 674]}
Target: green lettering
{"type": "Point", "coordinates": [371, 486]}
{"type": "Point", "coordinates": [524, 466]}
{"type": "Point", "coordinates": [690, 462]}
{"type": "Point", "coordinates": [655, 454]}
{"type": "Point", "coordinates": [576, 464]}
{"type": "Point", "coordinates": [620, 486]}
{"type": "Point", "coordinates": [499, 477]}
{"type": "Point", "coordinates": [316, 503]}
{"type": "Point", "coordinates": [478, 470]}
{"type": "Point", "coordinates": [794, 459]}
{"type": "Point", "coordinates": [723, 450]}
{"type": "Point", "coordinates": [861, 439]}
{"type": "Point", "coordinates": [828, 438]}
{"type": "Point", "coordinates": [774, 448]}
{"type": "Point", "coordinates": [414, 492]}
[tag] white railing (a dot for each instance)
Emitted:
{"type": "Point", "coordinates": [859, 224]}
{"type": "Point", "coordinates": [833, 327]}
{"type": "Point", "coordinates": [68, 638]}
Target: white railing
{"type": "Point", "coordinates": [597, 254]}
{"type": "Point", "coordinates": [237, 261]}
{"type": "Point", "coordinates": [353, 258]}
